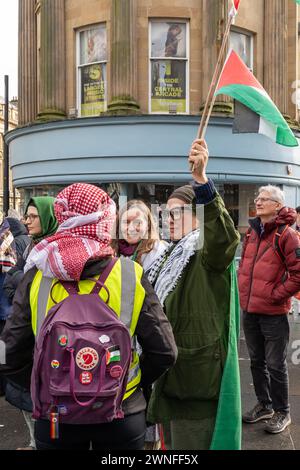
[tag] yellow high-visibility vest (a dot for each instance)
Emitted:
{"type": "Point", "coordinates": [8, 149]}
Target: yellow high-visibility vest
{"type": "Point", "coordinates": [126, 300]}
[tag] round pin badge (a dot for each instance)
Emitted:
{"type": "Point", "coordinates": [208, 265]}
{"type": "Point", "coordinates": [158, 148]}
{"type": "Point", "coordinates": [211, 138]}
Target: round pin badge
{"type": "Point", "coordinates": [104, 339]}
{"type": "Point", "coordinates": [116, 372]}
{"type": "Point", "coordinates": [55, 364]}
{"type": "Point", "coordinates": [63, 340]}
{"type": "Point", "coordinates": [87, 358]}
{"type": "Point", "coordinates": [85, 378]}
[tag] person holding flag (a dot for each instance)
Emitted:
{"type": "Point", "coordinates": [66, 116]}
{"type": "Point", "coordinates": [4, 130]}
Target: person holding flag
{"type": "Point", "coordinates": [198, 400]}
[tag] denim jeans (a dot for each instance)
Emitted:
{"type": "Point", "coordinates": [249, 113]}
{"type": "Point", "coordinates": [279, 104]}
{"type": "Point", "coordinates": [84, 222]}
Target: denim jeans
{"type": "Point", "coordinates": [267, 338]}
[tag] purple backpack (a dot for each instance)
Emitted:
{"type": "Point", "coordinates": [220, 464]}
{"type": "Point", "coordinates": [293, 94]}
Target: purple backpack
{"type": "Point", "coordinates": [81, 360]}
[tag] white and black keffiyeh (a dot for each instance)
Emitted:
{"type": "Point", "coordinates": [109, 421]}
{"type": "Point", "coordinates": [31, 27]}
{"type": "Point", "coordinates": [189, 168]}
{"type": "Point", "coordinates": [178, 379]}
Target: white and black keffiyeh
{"type": "Point", "coordinates": [171, 267]}
{"type": "Point", "coordinates": [152, 271]}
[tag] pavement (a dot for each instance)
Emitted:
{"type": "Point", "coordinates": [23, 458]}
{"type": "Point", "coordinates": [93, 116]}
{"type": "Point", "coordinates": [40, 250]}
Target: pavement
{"type": "Point", "coordinates": [13, 429]}
{"type": "Point", "coordinates": [14, 433]}
{"type": "Point", "coordinates": [254, 437]}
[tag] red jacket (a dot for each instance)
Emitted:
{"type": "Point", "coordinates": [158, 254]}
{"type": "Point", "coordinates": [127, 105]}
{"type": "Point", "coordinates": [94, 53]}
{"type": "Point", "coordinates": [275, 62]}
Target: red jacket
{"type": "Point", "coordinates": [266, 283]}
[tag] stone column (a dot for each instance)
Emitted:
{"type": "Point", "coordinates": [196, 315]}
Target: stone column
{"type": "Point", "coordinates": [27, 73]}
{"type": "Point", "coordinates": [276, 52]}
{"type": "Point", "coordinates": [214, 14]}
{"type": "Point", "coordinates": [52, 61]}
{"type": "Point", "coordinates": [293, 61]}
{"type": "Point", "coordinates": [123, 58]}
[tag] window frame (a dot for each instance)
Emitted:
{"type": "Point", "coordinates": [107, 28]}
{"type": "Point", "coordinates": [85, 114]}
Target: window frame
{"type": "Point", "coordinates": [79, 66]}
{"type": "Point", "coordinates": [249, 34]}
{"type": "Point", "coordinates": [185, 59]}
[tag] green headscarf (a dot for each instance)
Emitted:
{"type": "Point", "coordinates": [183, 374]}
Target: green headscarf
{"type": "Point", "coordinates": [45, 208]}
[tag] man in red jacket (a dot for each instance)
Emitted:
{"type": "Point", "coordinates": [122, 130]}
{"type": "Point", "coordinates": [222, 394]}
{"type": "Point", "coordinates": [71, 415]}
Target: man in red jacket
{"type": "Point", "coordinates": [269, 275]}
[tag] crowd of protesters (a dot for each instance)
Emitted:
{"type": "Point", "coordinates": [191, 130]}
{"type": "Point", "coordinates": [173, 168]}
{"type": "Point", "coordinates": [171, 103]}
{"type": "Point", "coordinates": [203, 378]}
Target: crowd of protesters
{"type": "Point", "coordinates": [180, 298]}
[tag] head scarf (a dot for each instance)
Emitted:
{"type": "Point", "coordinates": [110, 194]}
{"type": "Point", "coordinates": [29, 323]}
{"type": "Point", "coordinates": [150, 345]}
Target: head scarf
{"type": "Point", "coordinates": [86, 215]}
{"type": "Point", "coordinates": [45, 208]}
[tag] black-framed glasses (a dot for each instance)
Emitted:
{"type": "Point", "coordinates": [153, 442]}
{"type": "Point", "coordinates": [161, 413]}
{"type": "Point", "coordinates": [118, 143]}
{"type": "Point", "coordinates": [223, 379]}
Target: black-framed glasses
{"type": "Point", "coordinates": [31, 217]}
{"type": "Point", "coordinates": [175, 213]}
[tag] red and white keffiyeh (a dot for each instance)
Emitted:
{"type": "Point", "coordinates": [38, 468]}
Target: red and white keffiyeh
{"type": "Point", "coordinates": [86, 215]}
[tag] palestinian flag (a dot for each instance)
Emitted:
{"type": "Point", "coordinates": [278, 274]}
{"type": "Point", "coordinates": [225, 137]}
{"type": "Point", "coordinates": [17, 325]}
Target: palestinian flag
{"type": "Point", "coordinates": [235, 6]}
{"type": "Point", "coordinates": [237, 81]}
{"type": "Point", "coordinates": [113, 354]}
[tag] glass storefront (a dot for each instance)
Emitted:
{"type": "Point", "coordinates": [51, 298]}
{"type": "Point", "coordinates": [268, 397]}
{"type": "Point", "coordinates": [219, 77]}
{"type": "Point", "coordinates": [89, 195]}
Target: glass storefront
{"type": "Point", "coordinates": [52, 190]}
{"type": "Point", "coordinates": [153, 193]}
{"type": "Point", "coordinates": [239, 201]}
{"type": "Point", "coordinates": [238, 198]}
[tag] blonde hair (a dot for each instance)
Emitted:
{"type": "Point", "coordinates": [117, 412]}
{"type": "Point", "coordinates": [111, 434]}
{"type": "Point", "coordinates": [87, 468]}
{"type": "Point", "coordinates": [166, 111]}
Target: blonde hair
{"type": "Point", "coordinates": [146, 244]}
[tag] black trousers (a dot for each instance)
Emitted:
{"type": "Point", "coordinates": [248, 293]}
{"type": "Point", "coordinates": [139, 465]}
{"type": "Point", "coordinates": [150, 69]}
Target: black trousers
{"type": "Point", "coordinates": [267, 338]}
{"type": "Point", "coordinates": [120, 434]}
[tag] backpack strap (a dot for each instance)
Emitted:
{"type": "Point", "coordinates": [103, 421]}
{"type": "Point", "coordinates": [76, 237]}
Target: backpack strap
{"type": "Point", "coordinates": [45, 288]}
{"type": "Point", "coordinates": [127, 287]}
{"type": "Point", "coordinates": [276, 241]}
{"type": "Point", "coordinates": [246, 241]}
{"type": "Point", "coordinates": [70, 286]}
{"type": "Point", "coordinates": [127, 290]}
{"type": "Point", "coordinates": [103, 276]}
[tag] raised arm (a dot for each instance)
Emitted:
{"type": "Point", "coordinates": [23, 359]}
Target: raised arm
{"type": "Point", "coordinates": [220, 237]}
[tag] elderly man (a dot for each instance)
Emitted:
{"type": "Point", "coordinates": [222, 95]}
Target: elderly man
{"type": "Point", "coordinates": [194, 285]}
{"type": "Point", "coordinates": [269, 275]}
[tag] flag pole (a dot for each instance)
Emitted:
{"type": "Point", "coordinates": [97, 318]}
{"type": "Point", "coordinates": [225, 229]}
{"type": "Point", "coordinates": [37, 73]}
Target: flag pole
{"type": "Point", "coordinates": [210, 100]}
{"type": "Point", "coordinates": [205, 118]}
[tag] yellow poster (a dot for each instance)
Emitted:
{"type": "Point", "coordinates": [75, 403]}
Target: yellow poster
{"type": "Point", "coordinates": [93, 90]}
{"type": "Point", "coordinates": [168, 92]}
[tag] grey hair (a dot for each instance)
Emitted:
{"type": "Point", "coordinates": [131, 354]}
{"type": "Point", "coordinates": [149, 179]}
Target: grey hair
{"type": "Point", "coordinates": [274, 192]}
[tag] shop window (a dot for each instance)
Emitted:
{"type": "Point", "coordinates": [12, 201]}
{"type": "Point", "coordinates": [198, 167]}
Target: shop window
{"type": "Point", "coordinates": [239, 201]}
{"type": "Point", "coordinates": [231, 200]}
{"type": "Point", "coordinates": [242, 43]}
{"type": "Point", "coordinates": [91, 71]}
{"type": "Point", "coordinates": [153, 193]}
{"type": "Point", "coordinates": [168, 68]}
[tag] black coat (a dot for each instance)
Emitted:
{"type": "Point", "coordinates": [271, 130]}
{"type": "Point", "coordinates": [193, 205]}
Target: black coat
{"type": "Point", "coordinates": [20, 234]}
{"type": "Point", "coordinates": [15, 394]}
{"type": "Point", "coordinates": [22, 242]}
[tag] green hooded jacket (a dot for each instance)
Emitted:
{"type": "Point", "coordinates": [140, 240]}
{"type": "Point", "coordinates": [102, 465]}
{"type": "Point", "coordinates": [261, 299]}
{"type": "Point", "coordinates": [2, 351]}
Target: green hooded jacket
{"type": "Point", "coordinates": [203, 311]}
